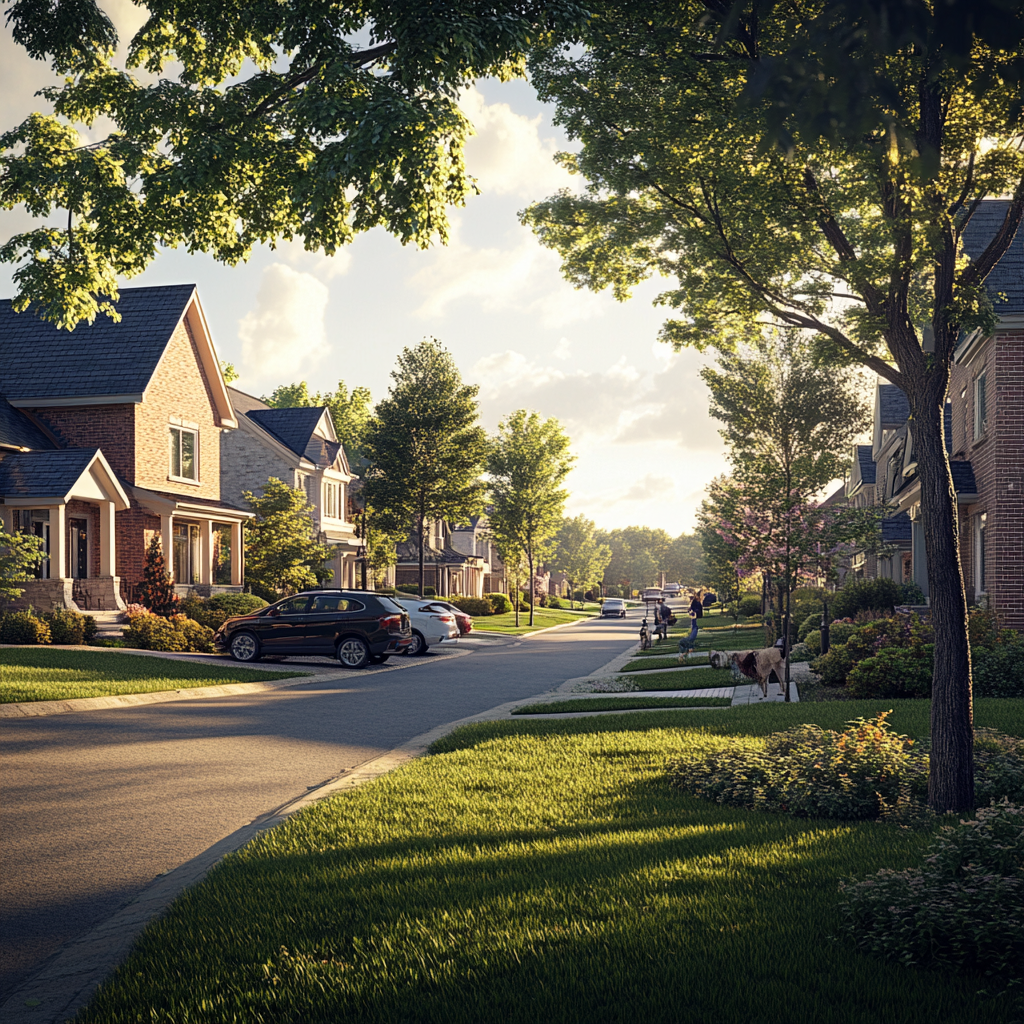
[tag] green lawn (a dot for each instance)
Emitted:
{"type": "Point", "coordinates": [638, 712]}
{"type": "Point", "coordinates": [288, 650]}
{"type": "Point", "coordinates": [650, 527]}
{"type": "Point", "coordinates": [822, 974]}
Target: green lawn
{"type": "Point", "coordinates": [40, 673]}
{"type": "Point", "coordinates": [559, 707]}
{"type": "Point", "coordinates": [542, 618]}
{"type": "Point", "coordinates": [690, 679]}
{"type": "Point", "coordinates": [639, 664]}
{"type": "Point", "coordinates": [544, 870]}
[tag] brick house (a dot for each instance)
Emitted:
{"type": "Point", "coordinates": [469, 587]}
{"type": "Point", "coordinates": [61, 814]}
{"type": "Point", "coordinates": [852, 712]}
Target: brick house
{"type": "Point", "coordinates": [111, 435]}
{"type": "Point", "coordinates": [456, 560]}
{"type": "Point", "coordinates": [984, 424]}
{"type": "Point", "coordinates": [298, 446]}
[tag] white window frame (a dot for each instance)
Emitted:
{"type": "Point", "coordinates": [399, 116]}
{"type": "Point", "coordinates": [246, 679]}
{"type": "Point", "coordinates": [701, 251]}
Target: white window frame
{"type": "Point", "coordinates": [980, 404]}
{"type": "Point", "coordinates": [980, 529]}
{"type": "Point", "coordinates": [181, 431]}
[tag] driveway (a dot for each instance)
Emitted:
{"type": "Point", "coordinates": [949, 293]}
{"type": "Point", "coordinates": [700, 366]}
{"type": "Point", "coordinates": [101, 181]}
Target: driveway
{"type": "Point", "coordinates": [97, 804]}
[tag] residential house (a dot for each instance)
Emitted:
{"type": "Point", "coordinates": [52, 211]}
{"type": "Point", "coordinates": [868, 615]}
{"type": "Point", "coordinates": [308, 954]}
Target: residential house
{"type": "Point", "coordinates": [111, 435]}
{"type": "Point", "coordinates": [298, 446]}
{"type": "Point", "coordinates": [457, 560]}
{"type": "Point", "coordinates": [984, 426]}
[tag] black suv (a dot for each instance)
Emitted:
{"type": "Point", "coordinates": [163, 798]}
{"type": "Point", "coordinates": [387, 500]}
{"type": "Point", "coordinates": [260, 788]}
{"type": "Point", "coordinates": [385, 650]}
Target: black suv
{"type": "Point", "coordinates": [356, 627]}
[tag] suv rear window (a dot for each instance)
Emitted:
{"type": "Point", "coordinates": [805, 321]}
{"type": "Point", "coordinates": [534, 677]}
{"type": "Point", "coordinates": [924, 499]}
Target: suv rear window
{"type": "Point", "coordinates": [388, 605]}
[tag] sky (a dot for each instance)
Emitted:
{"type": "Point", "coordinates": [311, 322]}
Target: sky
{"type": "Point", "coordinates": [636, 411]}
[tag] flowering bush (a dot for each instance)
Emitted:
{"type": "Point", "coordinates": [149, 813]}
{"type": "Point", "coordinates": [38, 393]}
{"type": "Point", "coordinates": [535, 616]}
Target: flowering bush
{"type": "Point", "coordinates": [962, 911]}
{"type": "Point", "coordinates": [866, 771]}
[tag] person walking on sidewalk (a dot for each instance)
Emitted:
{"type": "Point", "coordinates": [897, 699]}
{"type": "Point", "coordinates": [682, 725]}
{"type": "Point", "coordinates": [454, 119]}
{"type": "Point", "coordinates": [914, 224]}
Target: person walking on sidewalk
{"type": "Point", "coordinates": [697, 606]}
{"type": "Point", "coordinates": [663, 613]}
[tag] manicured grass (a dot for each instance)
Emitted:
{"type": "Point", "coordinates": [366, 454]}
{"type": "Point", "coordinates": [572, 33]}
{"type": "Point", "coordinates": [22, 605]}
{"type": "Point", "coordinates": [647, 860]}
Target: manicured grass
{"type": "Point", "coordinates": [639, 664]}
{"type": "Point", "coordinates": [730, 639]}
{"type": "Point", "coordinates": [560, 707]}
{"type": "Point", "coordinates": [544, 870]}
{"type": "Point", "coordinates": [39, 673]}
{"type": "Point", "coordinates": [542, 618]}
{"type": "Point", "coordinates": [690, 679]}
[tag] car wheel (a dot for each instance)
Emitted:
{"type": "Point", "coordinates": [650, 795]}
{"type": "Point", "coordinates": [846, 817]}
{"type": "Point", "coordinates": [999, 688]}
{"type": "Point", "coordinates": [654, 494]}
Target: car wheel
{"type": "Point", "coordinates": [379, 659]}
{"type": "Point", "coordinates": [418, 645]}
{"type": "Point", "coordinates": [245, 647]}
{"type": "Point", "coordinates": [354, 652]}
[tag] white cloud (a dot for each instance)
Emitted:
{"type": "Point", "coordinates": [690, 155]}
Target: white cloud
{"type": "Point", "coordinates": [285, 332]}
{"type": "Point", "coordinates": [650, 487]}
{"type": "Point", "coordinates": [507, 156]}
{"type": "Point", "coordinates": [563, 350]}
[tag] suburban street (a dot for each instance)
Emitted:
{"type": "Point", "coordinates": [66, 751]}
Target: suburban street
{"type": "Point", "coordinates": [98, 804]}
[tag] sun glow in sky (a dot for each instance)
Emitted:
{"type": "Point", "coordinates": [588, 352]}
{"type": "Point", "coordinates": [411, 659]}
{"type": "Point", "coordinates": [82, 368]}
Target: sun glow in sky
{"type": "Point", "coordinates": [637, 412]}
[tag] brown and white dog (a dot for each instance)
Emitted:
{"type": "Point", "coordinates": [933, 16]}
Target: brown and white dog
{"type": "Point", "coordinates": [759, 666]}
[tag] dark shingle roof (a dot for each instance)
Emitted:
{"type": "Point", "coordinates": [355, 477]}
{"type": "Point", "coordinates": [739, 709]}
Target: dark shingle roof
{"type": "Point", "coordinates": [292, 427]}
{"type": "Point", "coordinates": [895, 407]}
{"type": "Point", "coordinates": [947, 425]}
{"type": "Point", "coordinates": [43, 474]}
{"type": "Point", "coordinates": [1008, 275]}
{"type": "Point", "coordinates": [963, 476]}
{"type": "Point", "coordinates": [102, 358]}
{"type": "Point", "coordinates": [17, 430]}
{"type": "Point", "coordinates": [866, 464]}
{"type": "Point", "coordinates": [896, 528]}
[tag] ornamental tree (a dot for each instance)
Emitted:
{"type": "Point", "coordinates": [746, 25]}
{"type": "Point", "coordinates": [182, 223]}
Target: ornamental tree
{"type": "Point", "coordinates": [19, 553]}
{"type": "Point", "coordinates": [814, 170]}
{"type": "Point", "coordinates": [157, 590]}
{"type": "Point", "coordinates": [235, 124]}
{"type": "Point", "coordinates": [528, 461]}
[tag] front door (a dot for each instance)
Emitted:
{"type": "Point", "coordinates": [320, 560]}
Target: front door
{"type": "Point", "coordinates": [283, 628]}
{"type": "Point", "coordinates": [78, 548]}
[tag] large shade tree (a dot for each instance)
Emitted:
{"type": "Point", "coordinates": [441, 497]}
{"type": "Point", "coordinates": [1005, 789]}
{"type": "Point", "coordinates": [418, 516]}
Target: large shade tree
{"type": "Point", "coordinates": [236, 124]}
{"type": "Point", "coordinates": [816, 172]}
{"type": "Point", "coordinates": [579, 554]}
{"type": "Point", "coordinates": [425, 448]}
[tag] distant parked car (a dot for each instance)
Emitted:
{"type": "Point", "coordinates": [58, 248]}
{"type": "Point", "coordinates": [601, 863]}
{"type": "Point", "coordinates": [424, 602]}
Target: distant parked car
{"type": "Point", "coordinates": [462, 619]}
{"type": "Point", "coordinates": [431, 624]}
{"type": "Point", "coordinates": [672, 590]}
{"type": "Point", "coordinates": [652, 594]}
{"type": "Point", "coordinates": [356, 627]}
{"type": "Point", "coordinates": [613, 608]}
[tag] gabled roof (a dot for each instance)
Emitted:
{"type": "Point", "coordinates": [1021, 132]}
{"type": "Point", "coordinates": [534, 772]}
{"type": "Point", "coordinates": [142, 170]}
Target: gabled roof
{"type": "Point", "coordinates": [292, 427]}
{"type": "Point", "coordinates": [58, 476]}
{"type": "Point", "coordinates": [104, 362]}
{"type": "Point", "coordinates": [893, 405]}
{"type": "Point", "coordinates": [896, 528]}
{"type": "Point", "coordinates": [865, 464]}
{"type": "Point", "coordinates": [1005, 285]}
{"type": "Point", "coordinates": [963, 476]}
{"type": "Point", "coordinates": [837, 497]}
{"type": "Point", "coordinates": [18, 431]}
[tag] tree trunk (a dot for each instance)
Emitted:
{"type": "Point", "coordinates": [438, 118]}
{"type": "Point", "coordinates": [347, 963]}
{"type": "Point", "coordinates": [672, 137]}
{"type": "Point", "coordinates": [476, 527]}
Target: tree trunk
{"type": "Point", "coordinates": [516, 597]}
{"type": "Point", "coordinates": [951, 780]}
{"type": "Point", "coordinates": [420, 534]}
{"type": "Point", "coordinates": [529, 556]}
{"type": "Point", "coordinates": [785, 642]}
{"type": "Point", "coordinates": [824, 624]}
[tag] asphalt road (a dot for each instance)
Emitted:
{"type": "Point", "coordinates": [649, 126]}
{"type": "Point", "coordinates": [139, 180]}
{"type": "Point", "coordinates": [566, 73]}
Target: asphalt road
{"type": "Point", "coordinates": [95, 805]}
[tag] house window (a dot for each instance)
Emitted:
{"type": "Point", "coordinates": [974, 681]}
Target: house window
{"type": "Point", "coordinates": [184, 454]}
{"type": "Point", "coordinates": [980, 524]}
{"type": "Point", "coordinates": [331, 501]}
{"type": "Point", "coordinates": [187, 558]}
{"type": "Point", "coordinates": [980, 406]}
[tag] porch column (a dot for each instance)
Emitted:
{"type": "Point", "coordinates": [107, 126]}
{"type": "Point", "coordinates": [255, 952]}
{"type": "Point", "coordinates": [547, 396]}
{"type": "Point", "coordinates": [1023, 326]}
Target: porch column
{"type": "Point", "coordinates": [237, 555]}
{"type": "Point", "coordinates": [59, 543]}
{"type": "Point", "coordinates": [108, 556]}
{"type": "Point", "coordinates": [206, 551]}
{"type": "Point", "coordinates": [167, 542]}
{"type": "Point", "coordinates": [6, 518]}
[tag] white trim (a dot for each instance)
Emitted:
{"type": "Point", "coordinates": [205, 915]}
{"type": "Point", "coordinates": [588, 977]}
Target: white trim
{"type": "Point", "coordinates": [46, 403]}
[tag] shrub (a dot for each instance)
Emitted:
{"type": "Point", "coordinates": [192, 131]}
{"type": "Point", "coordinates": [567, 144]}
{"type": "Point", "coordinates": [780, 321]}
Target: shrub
{"type": "Point", "coordinates": [880, 595]}
{"type": "Point", "coordinates": [407, 588]}
{"type": "Point", "coordinates": [612, 590]}
{"type": "Point", "coordinates": [555, 602]}
{"type": "Point", "coordinates": [911, 593]}
{"type": "Point", "coordinates": [542, 601]}
{"type": "Point", "coordinates": [801, 652]}
{"type": "Point", "coordinates": [894, 672]}
{"type": "Point", "coordinates": [236, 604]}
{"type": "Point", "coordinates": [962, 911]}
{"type": "Point", "coordinates": [23, 628]}
{"type": "Point", "coordinates": [157, 590]}
{"type": "Point", "coordinates": [749, 604]}
{"type": "Point", "coordinates": [500, 603]}
{"type": "Point", "coordinates": [809, 771]}
{"type": "Point", "coordinates": [429, 592]}
{"type": "Point", "coordinates": [813, 621]}
{"type": "Point", "coordinates": [834, 666]}
{"type": "Point", "coordinates": [812, 641]}
{"type": "Point", "coordinates": [212, 612]}
{"type": "Point", "coordinates": [473, 605]}
{"type": "Point", "coordinates": [178, 633]}
{"type": "Point", "coordinates": [998, 766]}
{"type": "Point", "coordinates": [839, 632]}
{"type": "Point", "coordinates": [998, 671]}
{"type": "Point", "coordinates": [71, 628]}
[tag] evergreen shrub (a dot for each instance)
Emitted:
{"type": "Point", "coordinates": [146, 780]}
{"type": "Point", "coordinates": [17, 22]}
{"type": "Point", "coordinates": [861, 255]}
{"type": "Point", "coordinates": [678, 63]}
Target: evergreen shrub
{"type": "Point", "coordinates": [749, 604]}
{"type": "Point", "coordinates": [178, 633]}
{"type": "Point", "coordinates": [879, 595]}
{"type": "Point", "coordinates": [813, 621]}
{"type": "Point", "coordinates": [23, 628]}
{"type": "Point", "coordinates": [475, 606]}
{"type": "Point", "coordinates": [500, 603]}
{"type": "Point", "coordinates": [555, 602]}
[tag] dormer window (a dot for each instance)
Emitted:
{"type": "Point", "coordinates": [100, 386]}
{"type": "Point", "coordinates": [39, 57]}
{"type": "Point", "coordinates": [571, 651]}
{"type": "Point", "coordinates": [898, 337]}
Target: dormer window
{"type": "Point", "coordinates": [184, 452]}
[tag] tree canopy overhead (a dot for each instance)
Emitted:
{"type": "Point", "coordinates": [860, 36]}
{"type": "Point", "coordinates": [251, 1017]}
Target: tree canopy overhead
{"type": "Point", "coordinates": [816, 168]}
{"type": "Point", "coordinates": [236, 124]}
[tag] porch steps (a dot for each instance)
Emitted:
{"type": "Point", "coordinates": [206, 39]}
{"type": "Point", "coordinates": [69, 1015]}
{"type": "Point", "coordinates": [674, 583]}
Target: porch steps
{"type": "Point", "coordinates": [108, 624]}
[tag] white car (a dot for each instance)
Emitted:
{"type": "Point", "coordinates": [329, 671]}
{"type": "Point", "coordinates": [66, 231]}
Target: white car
{"type": "Point", "coordinates": [431, 624]}
{"type": "Point", "coordinates": [652, 594]}
{"type": "Point", "coordinates": [613, 606]}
